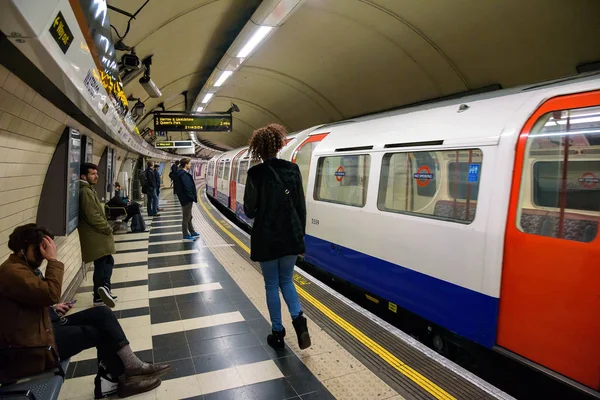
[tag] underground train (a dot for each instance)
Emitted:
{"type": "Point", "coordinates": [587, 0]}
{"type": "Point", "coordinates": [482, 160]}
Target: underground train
{"type": "Point", "coordinates": [479, 215]}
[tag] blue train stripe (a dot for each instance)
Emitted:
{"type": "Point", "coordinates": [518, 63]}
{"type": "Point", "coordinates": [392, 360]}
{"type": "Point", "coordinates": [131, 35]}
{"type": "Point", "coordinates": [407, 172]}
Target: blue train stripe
{"type": "Point", "coordinates": [239, 212]}
{"type": "Point", "coordinates": [466, 312]}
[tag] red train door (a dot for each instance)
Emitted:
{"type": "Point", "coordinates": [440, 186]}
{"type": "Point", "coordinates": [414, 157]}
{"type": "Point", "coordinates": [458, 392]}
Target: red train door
{"type": "Point", "coordinates": [233, 181]}
{"type": "Point", "coordinates": [550, 295]}
{"type": "Point", "coordinates": [303, 154]}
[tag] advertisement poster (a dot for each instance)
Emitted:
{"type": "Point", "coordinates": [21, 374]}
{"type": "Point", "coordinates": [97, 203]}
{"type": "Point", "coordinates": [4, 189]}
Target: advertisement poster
{"type": "Point", "coordinates": [74, 159]}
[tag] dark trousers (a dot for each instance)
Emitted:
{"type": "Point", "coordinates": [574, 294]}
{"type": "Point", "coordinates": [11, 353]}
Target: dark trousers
{"type": "Point", "coordinates": [103, 268]}
{"type": "Point", "coordinates": [186, 222]}
{"type": "Point", "coordinates": [152, 207]}
{"type": "Point", "coordinates": [95, 327]}
{"type": "Point", "coordinates": [132, 209]}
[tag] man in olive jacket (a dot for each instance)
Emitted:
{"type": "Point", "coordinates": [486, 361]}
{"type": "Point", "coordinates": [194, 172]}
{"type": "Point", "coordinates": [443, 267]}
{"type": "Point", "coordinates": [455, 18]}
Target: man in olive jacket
{"type": "Point", "coordinates": [95, 235]}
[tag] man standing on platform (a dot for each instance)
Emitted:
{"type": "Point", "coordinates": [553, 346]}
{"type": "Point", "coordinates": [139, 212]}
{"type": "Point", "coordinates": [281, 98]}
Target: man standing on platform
{"type": "Point", "coordinates": [185, 188]}
{"type": "Point", "coordinates": [151, 189]}
{"type": "Point", "coordinates": [158, 183]}
{"type": "Point", "coordinates": [174, 169]}
{"type": "Point", "coordinates": [95, 235]}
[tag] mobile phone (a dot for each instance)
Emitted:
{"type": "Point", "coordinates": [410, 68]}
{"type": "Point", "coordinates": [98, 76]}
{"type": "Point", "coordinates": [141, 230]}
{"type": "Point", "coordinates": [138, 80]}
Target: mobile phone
{"type": "Point", "coordinates": [73, 302]}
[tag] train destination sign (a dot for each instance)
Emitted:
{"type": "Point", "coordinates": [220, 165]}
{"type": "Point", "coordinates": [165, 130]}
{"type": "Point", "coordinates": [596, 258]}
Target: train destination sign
{"type": "Point", "coordinates": [192, 122]}
{"type": "Point", "coordinates": [174, 144]}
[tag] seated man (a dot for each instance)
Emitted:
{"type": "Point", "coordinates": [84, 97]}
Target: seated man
{"type": "Point", "coordinates": [28, 301]}
{"type": "Point", "coordinates": [132, 208]}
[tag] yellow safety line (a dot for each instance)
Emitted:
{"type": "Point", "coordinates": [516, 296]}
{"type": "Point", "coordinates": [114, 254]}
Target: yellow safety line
{"type": "Point", "coordinates": [376, 348]}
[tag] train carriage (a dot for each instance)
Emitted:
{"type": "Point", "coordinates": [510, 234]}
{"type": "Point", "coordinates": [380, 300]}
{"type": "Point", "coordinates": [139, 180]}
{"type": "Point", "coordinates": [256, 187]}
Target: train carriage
{"type": "Point", "coordinates": [478, 215]}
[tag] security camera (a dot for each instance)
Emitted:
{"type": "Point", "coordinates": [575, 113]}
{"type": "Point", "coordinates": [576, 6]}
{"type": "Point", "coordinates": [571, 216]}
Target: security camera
{"type": "Point", "coordinates": [139, 109]}
{"type": "Point", "coordinates": [147, 83]}
{"type": "Point", "coordinates": [131, 61]}
{"type": "Point", "coordinates": [150, 87]}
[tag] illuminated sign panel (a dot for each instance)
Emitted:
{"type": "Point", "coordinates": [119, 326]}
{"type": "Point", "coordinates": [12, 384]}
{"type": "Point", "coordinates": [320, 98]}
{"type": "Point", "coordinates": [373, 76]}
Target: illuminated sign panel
{"type": "Point", "coordinates": [191, 122]}
{"type": "Point", "coordinates": [176, 144]}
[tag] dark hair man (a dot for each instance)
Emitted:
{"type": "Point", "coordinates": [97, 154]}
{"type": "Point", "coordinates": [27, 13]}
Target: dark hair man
{"type": "Point", "coordinates": [158, 183]}
{"type": "Point", "coordinates": [152, 192]}
{"type": "Point", "coordinates": [132, 208]}
{"type": "Point", "coordinates": [32, 318]}
{"type": "Point", "coordinates": [185, 188]}
{"type": "Point", "coordinates": [174, 169]}
{"type": "Point", "coordinates": [95, 235]}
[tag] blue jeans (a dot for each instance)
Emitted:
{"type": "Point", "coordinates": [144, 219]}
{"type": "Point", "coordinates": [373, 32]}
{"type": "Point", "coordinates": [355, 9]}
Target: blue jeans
{"type": "Point", "coordinates": [278, 274]}
{"type": "Point", "coordinates": [152, 202]}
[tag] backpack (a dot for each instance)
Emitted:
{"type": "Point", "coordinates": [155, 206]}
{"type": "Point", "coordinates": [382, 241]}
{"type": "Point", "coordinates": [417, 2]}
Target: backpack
{"type": "Point", "coordinates": [144, 182]}
{"type": "Point", "coordinates": [138, 224]}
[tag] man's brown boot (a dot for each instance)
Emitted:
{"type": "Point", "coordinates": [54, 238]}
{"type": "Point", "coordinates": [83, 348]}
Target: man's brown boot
{"type": "Point", "coordinates": [129, 387]}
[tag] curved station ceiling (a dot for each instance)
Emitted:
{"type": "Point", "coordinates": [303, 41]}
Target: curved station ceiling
{"type": "Point", "coordinates": [328, 60]}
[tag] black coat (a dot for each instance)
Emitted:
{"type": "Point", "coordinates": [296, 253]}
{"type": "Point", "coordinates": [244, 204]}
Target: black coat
{"type": "Point", "coordinates": [185, 188]}
{"type": "Point", "coordinates": [151, 178]}
{"type": "Point", "coordinates": [279, 224]}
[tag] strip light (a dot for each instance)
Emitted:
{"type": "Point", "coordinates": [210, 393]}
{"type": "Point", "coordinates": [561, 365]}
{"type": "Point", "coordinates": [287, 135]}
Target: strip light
{"type": "Point", "coordinates": [223, 78]}
{"type": "Point", "coordinates": [207, 98]}
{"type": "Point", "coordinates": [254, 41]}
{"type": "Point", "coordinates": [199, 109]}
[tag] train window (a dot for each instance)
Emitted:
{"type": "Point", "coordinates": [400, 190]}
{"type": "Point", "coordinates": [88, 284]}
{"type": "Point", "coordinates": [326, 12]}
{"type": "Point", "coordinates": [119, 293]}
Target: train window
{"type": "Point", "coordinates": [411, 183]}
{"type": "Point", "coordinates": [226, 172]}
{"type": "Point", "coordinates": [243, 172]}
{"type": "Point", "coordinates": [343, 179]}
{"type": "Point", "coordinates": [221, 167]}
{"type": "Point", "coordinates": [303, 158]}
{"type": "Point", "coordinates": [560, 185]}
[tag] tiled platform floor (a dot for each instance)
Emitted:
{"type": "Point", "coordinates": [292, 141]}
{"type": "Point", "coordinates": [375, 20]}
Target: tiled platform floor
{"type": "Point", "coordinates": [178, 304]}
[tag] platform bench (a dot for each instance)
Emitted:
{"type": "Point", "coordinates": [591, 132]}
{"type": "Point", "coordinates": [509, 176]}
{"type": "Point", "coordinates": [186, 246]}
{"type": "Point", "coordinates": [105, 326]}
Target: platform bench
{"type": "Point", "coordinates": [45, 386]}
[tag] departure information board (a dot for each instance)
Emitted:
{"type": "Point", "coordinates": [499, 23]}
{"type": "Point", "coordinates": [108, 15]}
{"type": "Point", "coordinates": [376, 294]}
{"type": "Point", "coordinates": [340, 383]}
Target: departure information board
{"type": "Point", "coordinates": [164, 122]}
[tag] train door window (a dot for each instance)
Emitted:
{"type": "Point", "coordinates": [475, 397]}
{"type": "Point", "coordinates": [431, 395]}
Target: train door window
{"type": "Point", "coordinates": [221, 168]}
{"type": "Point", "coordinates": [560, 190]}
{"type": "Point", "coordinates": [243, 172]}
{"type": "Point", "coordinates": [343, 179]}
{"type": "Point", "coordinates": [411, 183]}
{"type": "Point", "coordinates": [226, 172]}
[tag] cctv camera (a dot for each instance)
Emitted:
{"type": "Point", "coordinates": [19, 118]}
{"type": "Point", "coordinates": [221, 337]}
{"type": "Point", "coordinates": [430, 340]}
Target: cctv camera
{"type": "Point", "coordinates": [150, 87]}
{"type": "Point", "coordinates": [139, 109]}
{"type": "Point", "coordinates": [131, 61]}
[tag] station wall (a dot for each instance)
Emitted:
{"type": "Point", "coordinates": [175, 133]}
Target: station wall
{"type": "Point", "coordinates": [30, 128]}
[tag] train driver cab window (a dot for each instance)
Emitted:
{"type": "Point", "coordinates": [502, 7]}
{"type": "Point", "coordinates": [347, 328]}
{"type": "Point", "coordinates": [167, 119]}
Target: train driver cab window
{"type": "Point", "coordinates": [441, 185]}
{"type": "Point", "coordinates": [343, 179]}
{"type": "Point", "coordinates": [221, 167]}
{"type": "Point", "coordinates": [303, 158]}
{"type": "Point", "coordinates": [227, 168]}
{"type": "Point", "coordinates": [560, 185]}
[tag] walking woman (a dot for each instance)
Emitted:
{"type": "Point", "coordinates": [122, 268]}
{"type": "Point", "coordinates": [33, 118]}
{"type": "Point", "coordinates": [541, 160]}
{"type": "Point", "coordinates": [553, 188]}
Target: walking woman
{"type": "Point", "coordinates": [275, 199]}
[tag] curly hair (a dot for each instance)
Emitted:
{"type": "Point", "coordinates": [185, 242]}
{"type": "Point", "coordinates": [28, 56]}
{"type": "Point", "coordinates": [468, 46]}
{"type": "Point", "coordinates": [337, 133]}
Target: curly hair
{"type": "Point", "coordinates": [266, 142]}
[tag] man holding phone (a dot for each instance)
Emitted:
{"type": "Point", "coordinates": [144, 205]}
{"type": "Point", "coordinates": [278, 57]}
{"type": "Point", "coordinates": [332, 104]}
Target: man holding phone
{"type": "Point", "coordinates": [34, 317]}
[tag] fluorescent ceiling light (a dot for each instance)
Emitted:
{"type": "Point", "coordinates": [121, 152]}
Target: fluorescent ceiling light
{"type": "Point", "coordinates": [223, 78]}
{"type": "Point", "coordinates": [258, 36]}
{"type": "Point", "coordinates": [207, 98]}
{"type": "Point", "coordinates": [199, 109]}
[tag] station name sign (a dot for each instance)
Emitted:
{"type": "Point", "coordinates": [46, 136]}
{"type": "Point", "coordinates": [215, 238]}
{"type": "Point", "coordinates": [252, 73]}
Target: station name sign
{"type": "Point", "coordinates": [164, 122]}
{"type": "Point", "coordinates": [174, 144]}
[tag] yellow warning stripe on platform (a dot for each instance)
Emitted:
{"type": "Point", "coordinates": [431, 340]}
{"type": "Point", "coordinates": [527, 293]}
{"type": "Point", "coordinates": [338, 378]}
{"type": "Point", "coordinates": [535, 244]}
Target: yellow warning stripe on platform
{"type": "Point", "coordinates": [376, 348]}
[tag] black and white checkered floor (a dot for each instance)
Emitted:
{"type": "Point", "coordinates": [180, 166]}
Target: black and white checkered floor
{"type": "Point", "coordinates": [178, 304]}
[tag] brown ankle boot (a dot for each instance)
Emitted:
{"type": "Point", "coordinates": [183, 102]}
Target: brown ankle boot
{"type": "Point", "coordinates": [132, 387]}
{"type": "Point", "coordinates": [147, 371]}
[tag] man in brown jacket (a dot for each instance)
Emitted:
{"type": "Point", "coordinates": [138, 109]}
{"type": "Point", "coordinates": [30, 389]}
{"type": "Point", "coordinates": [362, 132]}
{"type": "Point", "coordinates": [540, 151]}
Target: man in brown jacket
{"type": "Point", "coordinates": [32, 318]}
{"type": "Point", "coordinates": [95, 235]}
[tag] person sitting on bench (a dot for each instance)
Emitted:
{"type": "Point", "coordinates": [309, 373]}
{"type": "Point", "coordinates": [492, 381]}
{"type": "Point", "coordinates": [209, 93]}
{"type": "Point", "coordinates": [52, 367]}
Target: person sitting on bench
{"type": "Point", "coordinates": [132, 208]}
{"type": "Point", "coordinates": [28, 301]}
